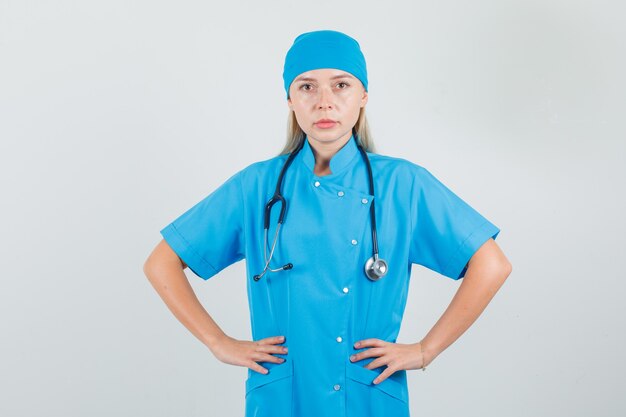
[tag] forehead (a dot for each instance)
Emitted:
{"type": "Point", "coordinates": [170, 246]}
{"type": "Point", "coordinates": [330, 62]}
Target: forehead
{"type": "Point", "coordinates": [323, 74]}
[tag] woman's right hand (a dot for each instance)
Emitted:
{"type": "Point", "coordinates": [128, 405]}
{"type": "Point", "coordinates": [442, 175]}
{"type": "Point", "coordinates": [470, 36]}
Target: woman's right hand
{"type": "Point", "coordinates": [247, 353]}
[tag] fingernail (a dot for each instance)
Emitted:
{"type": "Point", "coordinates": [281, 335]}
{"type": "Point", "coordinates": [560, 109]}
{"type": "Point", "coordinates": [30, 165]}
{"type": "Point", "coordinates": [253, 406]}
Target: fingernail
{"type": "Point", "coordinates": [281, 338]}
{"type": "Point", "coordinates": [352, 357]}
{"type": "Point", "coordinates": [357, 344]}
{"type": "Point", "coordinates": [285, 349]}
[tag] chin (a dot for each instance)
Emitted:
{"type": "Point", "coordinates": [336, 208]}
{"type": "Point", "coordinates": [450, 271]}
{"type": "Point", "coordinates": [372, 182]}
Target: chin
{"type": "Point", "coordinates": [326, 136]}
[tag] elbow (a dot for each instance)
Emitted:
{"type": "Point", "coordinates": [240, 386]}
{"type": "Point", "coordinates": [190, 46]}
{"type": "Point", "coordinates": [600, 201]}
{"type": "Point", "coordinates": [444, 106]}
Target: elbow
{"type": "Point", "coordinates": [147, 268]}
{"type": "Point", "coordinates": [162, 257]}
{"type": "Point", "coordinates": [497, 267]}
{"type": "Point", "coordinates": [506, 268]}
{"type": "Point", "coordinates": [501, 268]}
{"type": "Point", "coordinates": [505, 265]}
{"type": "Point", "coordinates": [151, 265]}
{"type": "Point", "coordinates": [153, 261]}
{"type": "Point", "coordinates": [499, 263]}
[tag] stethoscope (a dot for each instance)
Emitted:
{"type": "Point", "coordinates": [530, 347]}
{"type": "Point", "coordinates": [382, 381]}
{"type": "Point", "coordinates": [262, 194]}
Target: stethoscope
{"type": "Point", "coordinates": [375, 267]}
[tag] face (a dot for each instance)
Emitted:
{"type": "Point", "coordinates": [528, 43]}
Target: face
{"type": "Point", "coordinates": [327, 94]}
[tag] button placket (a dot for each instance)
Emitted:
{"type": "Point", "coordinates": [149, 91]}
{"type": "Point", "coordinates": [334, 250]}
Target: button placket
{"type": "Point", "coordinates": [338, 205]}
{"type": "Point", "coordinates": [348, 211]}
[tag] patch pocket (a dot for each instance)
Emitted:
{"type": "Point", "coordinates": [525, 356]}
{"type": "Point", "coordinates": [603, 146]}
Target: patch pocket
{"type": "Point", "coordinates": [270, 395]}
{"type": "Point", "coordinates": [389, 386]}
{"type": "Point", "coordinates": [277, 372]}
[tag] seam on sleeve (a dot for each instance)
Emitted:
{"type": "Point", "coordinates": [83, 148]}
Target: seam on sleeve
{"type": "Point", "coordinates": [243, 213]}
{"type": "Point", "coordinates": [411, 231]}
{"type": "Point", "coordinates": [459, 251]}
{"type": "Point", "coordinates": [193, 249]}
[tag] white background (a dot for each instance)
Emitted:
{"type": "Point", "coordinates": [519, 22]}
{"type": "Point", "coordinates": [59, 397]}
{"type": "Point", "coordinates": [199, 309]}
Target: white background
{"type": "Point", "coordinates": [117, 116]}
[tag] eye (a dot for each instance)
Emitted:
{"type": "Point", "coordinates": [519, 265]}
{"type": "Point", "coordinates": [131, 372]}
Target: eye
{"type": "Point", "coordinates": [342, 82]}
{"type": "Point", "coordinates": [304, 85]}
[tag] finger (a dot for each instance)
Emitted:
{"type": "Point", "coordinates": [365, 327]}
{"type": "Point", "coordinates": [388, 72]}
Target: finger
{"type": "Point", "coordinates": [272, 340]}
{"type": "Point", "coordinates": [383, 375]}
{"type": "Point", "coordinates": [258, 368]}
{"type": "Point", "coordinates": [264, 357]}
{"type": "Point", "coordinates": [272, 349]}
{"type": "Point", "coordinates": [373, 352]}
{"type": "Point", "coordinates": [369, 342]}
{"type": "Point", "coordinates": [376, 363]}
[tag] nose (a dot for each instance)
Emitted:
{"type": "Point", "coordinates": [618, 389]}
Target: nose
{"type": "Point", "coordinates": [325, 98]}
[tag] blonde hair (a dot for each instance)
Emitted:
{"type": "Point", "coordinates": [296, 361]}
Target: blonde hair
{"type": "Point", "coordinates": [295, 135]}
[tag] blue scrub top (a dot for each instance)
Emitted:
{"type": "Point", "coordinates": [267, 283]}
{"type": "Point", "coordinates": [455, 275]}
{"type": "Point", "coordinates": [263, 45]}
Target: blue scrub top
{"type": "Point", "coordinates": [325, 303]}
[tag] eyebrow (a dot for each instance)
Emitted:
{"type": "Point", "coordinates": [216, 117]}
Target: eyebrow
{"type": "Point", "coordinates": [332, 78]}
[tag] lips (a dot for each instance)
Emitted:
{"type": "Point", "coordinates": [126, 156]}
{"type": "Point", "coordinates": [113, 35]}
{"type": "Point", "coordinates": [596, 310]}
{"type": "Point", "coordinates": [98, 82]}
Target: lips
{"type": "Point", "coordinates": [325, 123]}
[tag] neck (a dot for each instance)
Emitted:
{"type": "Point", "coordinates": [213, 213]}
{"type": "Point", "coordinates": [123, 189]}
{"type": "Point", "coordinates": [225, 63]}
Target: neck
{"type": "Point", "coordinates": [325, 150]}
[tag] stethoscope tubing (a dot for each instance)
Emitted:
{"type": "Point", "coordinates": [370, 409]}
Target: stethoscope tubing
{"type": "Point", "coordinates": [375, 268]}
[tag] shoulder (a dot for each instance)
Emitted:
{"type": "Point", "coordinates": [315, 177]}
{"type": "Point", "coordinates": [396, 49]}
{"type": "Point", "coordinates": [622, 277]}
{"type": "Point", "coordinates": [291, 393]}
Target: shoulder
{"type": "Point", "coordinates": [391, 167]}
{"type": "Point", "coordinates": [251, 173]}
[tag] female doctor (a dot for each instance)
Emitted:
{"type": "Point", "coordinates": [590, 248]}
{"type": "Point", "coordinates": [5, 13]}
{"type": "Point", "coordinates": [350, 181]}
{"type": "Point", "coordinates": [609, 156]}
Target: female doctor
{"type": "Point", "coordinates": [329, 230]}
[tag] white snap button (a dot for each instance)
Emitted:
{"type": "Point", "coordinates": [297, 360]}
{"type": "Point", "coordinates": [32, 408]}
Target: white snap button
{"type": "Point", "coordinates": [317, 183]}
{"type": "Point", "coordinates": [337, 387]}
{"type": "Point", "coordinates": [364, 201]}
{"type": "Point", "coordinates": [345, 290]}
{"type": "Point", "coordinates": [354, 241]}
{"type": "Point", "coordinates": [339, 339]}
{"type": "Point", "coordinates": [340, 193]}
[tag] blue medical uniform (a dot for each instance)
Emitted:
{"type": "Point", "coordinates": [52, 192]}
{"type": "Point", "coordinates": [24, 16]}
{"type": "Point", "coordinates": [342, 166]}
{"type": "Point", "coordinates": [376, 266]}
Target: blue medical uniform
{"type": "Point", "coordinates": [325, 303]}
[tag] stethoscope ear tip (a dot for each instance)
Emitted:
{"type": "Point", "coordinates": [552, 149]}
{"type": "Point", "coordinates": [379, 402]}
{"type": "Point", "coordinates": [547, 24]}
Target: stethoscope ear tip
{"type": "Point", "coordinates": [285, 267]}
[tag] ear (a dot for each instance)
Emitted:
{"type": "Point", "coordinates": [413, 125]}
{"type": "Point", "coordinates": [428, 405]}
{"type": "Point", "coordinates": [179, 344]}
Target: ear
{"type": "Point", "coordinates": [289, 103]}
{"type": "Point", "coordinates": [364, 98]}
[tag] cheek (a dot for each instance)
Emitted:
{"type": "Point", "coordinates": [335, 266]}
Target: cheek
{"type": "Point", "coordinates": [355, 99]}
{"type": "Point", "coordinates": [353, 106]}
{"type": "Point", "coordinates": [350, 101]}
{"type": "Point", "coordinates": [305, 100]}
{"type": "Point", "coordinates": [300, 111]}
{"type": "Point", "coordinates": [301, 116]}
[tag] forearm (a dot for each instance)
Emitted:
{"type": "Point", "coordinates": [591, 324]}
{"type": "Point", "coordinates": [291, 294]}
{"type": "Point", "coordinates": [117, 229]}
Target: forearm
{"type": "Point", "coordinates": [170, 282]}
{"type": "Point", "coordinates": [482, 280]}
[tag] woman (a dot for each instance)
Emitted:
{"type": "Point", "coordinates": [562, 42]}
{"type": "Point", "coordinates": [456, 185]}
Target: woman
{"type": "Point", "coordinates": [316, 282]}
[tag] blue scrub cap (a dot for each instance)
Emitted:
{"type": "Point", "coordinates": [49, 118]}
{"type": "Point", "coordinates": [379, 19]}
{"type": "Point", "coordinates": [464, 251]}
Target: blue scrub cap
{"type": "Point", "coordinates": [324, 49]}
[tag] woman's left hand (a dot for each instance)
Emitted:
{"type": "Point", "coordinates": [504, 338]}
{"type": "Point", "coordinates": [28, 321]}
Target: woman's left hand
{"type": "Point", "coordinates": [396, 356]}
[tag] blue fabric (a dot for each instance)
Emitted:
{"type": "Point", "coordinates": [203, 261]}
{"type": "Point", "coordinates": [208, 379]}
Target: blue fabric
{"type": "Point", "coordinates": [324, 49]}
{"type": "Point", "coordinates": [326, 296]}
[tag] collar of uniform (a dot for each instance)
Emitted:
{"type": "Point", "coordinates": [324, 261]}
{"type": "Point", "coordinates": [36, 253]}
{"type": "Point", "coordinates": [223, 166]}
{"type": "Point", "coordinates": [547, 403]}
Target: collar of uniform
{"type": "Point", "coordinates": [338, 161]}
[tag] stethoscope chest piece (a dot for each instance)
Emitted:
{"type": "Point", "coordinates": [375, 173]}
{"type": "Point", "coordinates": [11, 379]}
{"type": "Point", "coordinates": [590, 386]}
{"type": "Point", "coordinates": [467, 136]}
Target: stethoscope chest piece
{"type": "Point", "coordinates": [375, 268]}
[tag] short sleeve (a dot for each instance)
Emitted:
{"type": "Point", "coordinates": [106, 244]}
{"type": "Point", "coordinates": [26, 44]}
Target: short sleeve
{"type": "Point", "coordinates": [446, 231]}
{"type": "Point", "coordinates": [210, 235]}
